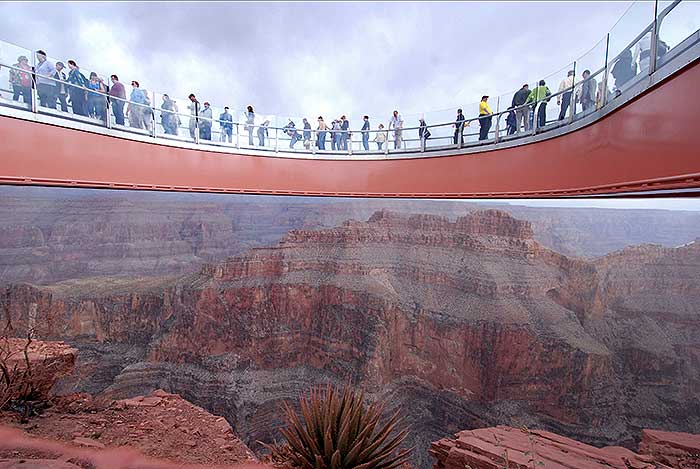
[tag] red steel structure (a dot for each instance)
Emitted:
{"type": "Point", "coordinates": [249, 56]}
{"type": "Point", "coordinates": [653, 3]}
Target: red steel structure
{"type": "Point", "coordinates": [649, 144]}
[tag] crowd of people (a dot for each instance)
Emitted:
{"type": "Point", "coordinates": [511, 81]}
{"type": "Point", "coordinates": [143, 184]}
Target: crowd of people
{"type": "Point", "coordinates": [92, 97]}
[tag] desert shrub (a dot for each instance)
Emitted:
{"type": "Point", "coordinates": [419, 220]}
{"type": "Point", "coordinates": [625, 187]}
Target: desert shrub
{"type": "Point", "coordinates": [337, 431]}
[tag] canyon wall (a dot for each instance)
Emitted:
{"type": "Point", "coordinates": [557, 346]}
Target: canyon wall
{"type": "Point", "coordinates": [51, 234]}
{"type": "Point", "coordinates": [458, 323]}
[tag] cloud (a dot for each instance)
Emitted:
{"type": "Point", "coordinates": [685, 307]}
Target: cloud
{"type": "Point", "coordinates": [307, 59]}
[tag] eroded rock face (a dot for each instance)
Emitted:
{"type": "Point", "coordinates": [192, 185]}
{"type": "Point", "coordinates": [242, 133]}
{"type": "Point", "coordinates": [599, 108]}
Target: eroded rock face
{"type": "Point", "coordinates": [460, 324]}
{"type": "Point", "coordinates": [678, 450]}
{"type": "Point", "coordinates": [498, 447]}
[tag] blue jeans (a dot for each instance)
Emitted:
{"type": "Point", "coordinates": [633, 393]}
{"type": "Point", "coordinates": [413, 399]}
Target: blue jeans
{"type": "Point", "coordinates": [118, 109]}
{"type": "Point", "coordinates": [379, 145]}
{"type": "Point", "coordinates": [343, 141]}
{"type": "Point", "coordinates": [335, 142]}
{"type": "Point", "coordinates": [365, 141]}
{"type": "Point", "coordinates": [322, 140]}
{"type": "Point", "coordinates": [294, 140]}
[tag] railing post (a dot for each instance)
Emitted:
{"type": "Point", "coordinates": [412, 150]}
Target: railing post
{"type": "Point", "coordinates": [196, 122]}
{"type": "Point", "coordinates": [386, 143]}
{"type": "Point", "coordinates": [108, 120]}
{"type": "Point", "coordinates": [604, 98]}
{"type": "Point", "coordinates": [238, 137]}
{"type": "Point", "coordinates": [460, 136]}
{"type": "Point", "coordinates": [534, 115]}
{"type": "Point", "coordinates": [153, 114]}
{"type": "Point", "coordinates": [348, 140]}
{"type": "Point", "coordinates": [572, 102]}
{"type": "Point", "coordinates": [498, 119]}
{"type": "Point", "coordinates": [277, 148]}
{"type": "Point", "coordinates": [34, 93]}
{"type": "Point", "coordinates": [654, 40]}
{"type": "Point", "coordinates": [314, 139]}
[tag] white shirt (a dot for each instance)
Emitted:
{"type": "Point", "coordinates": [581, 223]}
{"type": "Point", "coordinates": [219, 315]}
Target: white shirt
{"type": "Point", "coordinates": [397, 121]}
{"type": "Point", "coordinates": [45, 69]}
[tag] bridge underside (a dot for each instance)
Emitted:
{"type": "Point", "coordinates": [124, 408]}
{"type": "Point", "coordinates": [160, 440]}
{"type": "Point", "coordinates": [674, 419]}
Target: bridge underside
{"type": "Point", "coordinates": [649, 146]}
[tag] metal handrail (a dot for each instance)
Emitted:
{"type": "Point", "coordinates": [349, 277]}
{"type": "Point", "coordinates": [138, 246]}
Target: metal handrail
{"type": "Point", "coordinates": [654, 26]}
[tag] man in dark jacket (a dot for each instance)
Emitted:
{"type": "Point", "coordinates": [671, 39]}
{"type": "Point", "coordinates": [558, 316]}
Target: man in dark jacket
{"type": "Point", "coordinates": [459, 126]}
{"type": "Point", "coordinates": [624, 69]}
{"type": "Point", "coordinates": [522, 112]}
{"type": "Point", "coordinates": [344, 126]}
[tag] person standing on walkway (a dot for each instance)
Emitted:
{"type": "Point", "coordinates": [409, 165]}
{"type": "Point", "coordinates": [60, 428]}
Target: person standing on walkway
{"type": "Point", "coordinates": [138, 105]}
{"type": "Point", "coordinates": [60, 92]}
{"type": "Point", "coordinates": [566, 85]}
{"type": "Point", "coordinates": [540, 96]}
{"type": "Point", "coordinates": [168, 118]}
{"type": "Point", "coordinates": [365, 133]}
{"type": "Point", "coordinates": [381, 137]}
{"type": "Point", "coordinates": [78, 82]}
{"type": "Point", "coordinates": [21, 80]}
{"type": "Point", "coordinates": [250, 124]}
{"type": "Point", "coordinates": [344, 126]}
{"type": "Point", "coordinates": [262, 133]}
{"type": "Point", "coordinates": [205, 122]}
{"type": "Point", "coordinates": [335, 135]}
{"type": "Point", "coordinates": [290, 129]}
{"type": "Point", "coordinates": [194, 115]}
{"type": "Point", "coordinates": [624, 69]}
{"type": "Point", "coordinates": [459, 127]}
{"type": "Point", "coordinates": [396, 122]}
{"type": "Point", "coordinates": [118, 92]}
{"type": "Point", "coordinates": [586, 93]}
{"type": "Point", "coordinates": [226, 126]}
{"type": "Point", "coordinates": [97, 102]}
{"type": "Point", "coordinates": [423, 132]}
{"type": "Point", "coordinates": [45, 86]}
{"type": "Point", "coordinates": [522, 112]}
{"type": "Point", "coordinates": [307, 134]}
{"type": "Point", "coordinates": [485, 118]}
{"type": "Point", "coordinates": [321, 133]}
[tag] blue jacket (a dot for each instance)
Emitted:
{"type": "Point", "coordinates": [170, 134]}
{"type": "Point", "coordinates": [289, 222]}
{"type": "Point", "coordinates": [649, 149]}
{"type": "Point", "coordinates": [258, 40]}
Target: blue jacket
{"type": "Point", "coordinates": [226, 121]}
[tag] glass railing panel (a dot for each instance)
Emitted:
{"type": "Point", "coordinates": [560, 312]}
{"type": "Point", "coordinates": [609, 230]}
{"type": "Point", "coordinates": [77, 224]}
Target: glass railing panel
{"type": "Point", "coordinates": [590, 71]}
{"type": "Point", "coordinates": [15, 75]}
{"type": "Point", "coordinates": [676, 24]}
{"type": "Point", "coordinates": [630, 42]}
{"type": "Point", "coordinates": [555, 110]}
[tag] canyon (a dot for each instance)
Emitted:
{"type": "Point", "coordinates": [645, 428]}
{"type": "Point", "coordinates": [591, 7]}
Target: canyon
{"type": "Point", "coordinates": [458, 321]}
{"type": "Point", "coordinates": [52, 234]}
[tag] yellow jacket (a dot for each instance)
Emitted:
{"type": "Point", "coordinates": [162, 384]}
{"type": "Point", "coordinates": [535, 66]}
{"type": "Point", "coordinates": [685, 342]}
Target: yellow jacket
{"type": "Point", "coordinates": [484, 108]}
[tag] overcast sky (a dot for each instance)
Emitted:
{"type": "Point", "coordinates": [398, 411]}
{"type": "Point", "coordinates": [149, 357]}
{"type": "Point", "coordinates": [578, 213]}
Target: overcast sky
{"type": "Point", "coordinates": [306, 59]}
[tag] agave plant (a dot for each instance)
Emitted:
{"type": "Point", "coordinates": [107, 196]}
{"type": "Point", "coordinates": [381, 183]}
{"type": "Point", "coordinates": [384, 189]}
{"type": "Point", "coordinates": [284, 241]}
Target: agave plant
{"type": "Point", "coordinates": [336, 431]}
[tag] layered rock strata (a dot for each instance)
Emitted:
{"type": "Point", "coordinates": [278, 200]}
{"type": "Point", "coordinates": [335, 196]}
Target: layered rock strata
{"type": "Point", "coordinates": [459, 324]}
{"type": "Point", "coordinates": [53, 234]}
{"type": "Point", "coordinates": [507, 447]}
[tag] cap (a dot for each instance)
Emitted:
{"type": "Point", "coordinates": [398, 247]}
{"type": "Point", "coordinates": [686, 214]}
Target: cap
{"type": "Point", "coordinates": [206, 103]}
{"type": "Point", "coordinates": [485, 96]}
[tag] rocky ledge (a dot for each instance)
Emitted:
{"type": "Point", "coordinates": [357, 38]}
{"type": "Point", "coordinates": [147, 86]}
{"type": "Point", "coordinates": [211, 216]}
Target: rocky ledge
{"type": "Point", "coordinates": [160, 425]}
{"type": "Point", "coordinates": [38, 364]}
{"type": "Point", "coordinates": [512, 448]}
